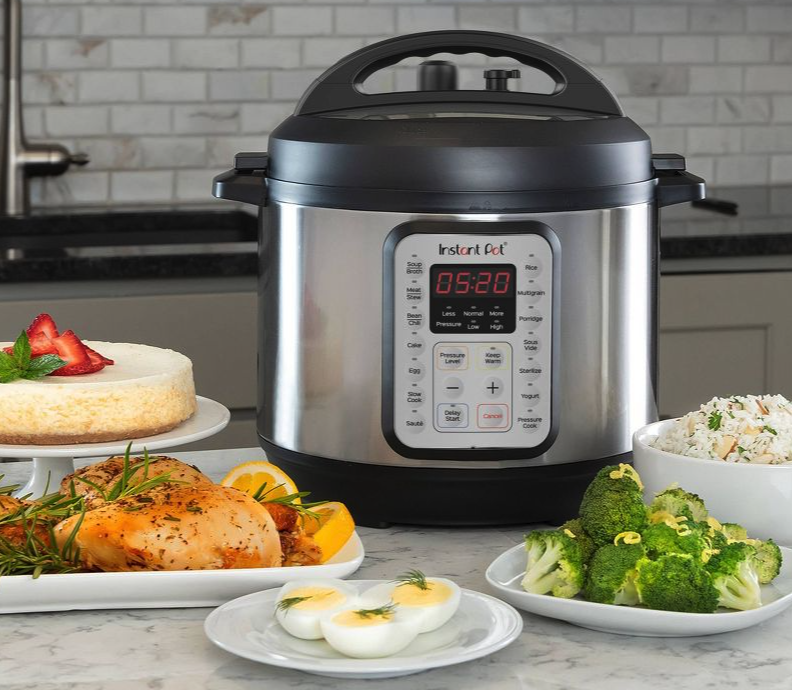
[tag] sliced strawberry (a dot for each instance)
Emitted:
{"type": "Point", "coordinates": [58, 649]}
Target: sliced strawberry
{"type": "Point", "coordinates": [96, 356]}
{"type": "Point", "coordinates": [70, 348]}
{"type": "Point", "coordinates": [89, 367]}
{"type": "Point", "coordinates": [45, 324]}
{"type": "Point", "coordinates": [40, 344]}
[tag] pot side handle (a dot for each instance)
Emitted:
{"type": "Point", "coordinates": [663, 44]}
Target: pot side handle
{"type": "Point", "coordinates": [675, 185]}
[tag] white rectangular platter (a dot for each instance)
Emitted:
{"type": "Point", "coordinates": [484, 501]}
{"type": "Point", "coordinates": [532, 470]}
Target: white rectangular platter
{"type": "Point", "coordinates": [177, 589]}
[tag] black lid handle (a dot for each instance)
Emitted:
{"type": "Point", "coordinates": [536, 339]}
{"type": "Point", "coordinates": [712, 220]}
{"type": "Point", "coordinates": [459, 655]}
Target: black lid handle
{"type": "Point", "coordinates": [577, 88]}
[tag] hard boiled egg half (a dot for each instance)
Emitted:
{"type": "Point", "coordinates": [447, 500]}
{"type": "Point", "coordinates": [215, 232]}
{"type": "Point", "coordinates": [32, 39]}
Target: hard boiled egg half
{"type": "Point", "coordinates": [431, 600]}
{"type": "Point", "coordinates": [370, 633]}
{"type": "Point", "coordinates": [301, 605]}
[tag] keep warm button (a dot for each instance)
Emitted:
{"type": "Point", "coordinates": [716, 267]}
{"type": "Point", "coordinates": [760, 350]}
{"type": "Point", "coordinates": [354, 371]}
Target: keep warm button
{"type": "Point", "coordinates": [493, 416]}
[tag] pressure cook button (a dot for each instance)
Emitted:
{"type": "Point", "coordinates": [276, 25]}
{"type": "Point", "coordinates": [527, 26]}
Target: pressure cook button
{"type": "Point", "coordinates": [415, 371]}
{"type": "Point", "coordinates": [452, 416]}
{"type": "Point", "coordinates": [415, 318]}
{"type": "Point", "coordinates": [529, 424]}
{"type": "Point", "coordinates": [531, 345]}
{"type": "Point", "coordinates": [414, 267]}
{"type": "Point", "coordinates": [532, 267]}
{"type": "Point", "coordinates": [493, 416]}
{"type": "Point", "coordinates": [413, 294]}
{"type": "Point", "coordinates": [493, 387]}
{"type": "Point", "coordinates": [530, 372]}
{"type": "Point", "coordinates": [415, 345]}
{"type": "Point", "coordinates": [415, 423]}
{"type": "Point", "coordinates": [492, 357]}
{"type": "Point", "coordinates": [453, 357]}
{"type": "Point", "coordinates": [415, 396]}
{"type": "Point", "coordinates": [453, 387]}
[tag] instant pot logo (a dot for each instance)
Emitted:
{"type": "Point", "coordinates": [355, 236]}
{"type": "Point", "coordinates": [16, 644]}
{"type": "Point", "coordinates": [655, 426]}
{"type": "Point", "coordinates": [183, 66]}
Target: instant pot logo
{"type": "Point", "coordinates": [488, 249]}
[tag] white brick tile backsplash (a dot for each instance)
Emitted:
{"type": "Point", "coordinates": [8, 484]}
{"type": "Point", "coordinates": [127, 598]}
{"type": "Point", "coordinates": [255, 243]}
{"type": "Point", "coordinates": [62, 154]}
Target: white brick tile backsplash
{"type": "Point", "coordinates": [768, 139]}
{"type": "Point", "coordinates": [603, 19]}
{"type": "Point", "coordinates": [437, 18]}
{"type": "Point", "coordinates": [81, 53]}
{"type": "Point", "coordinates": [77, 188]}
{"type": "Point", "coordinates": [206, 53]}
{"type": "Point", "coordinates": [112, 21]}
{"type": "Point", "coordinates": [275, 53]}
{"type": "Point", "coordinates": [174, 86]}
{"type": "Point", "coordinates": [743, 109]}
{"type": "Point", "coordinates": [194, 185]}
{"type": "Point", "coordinates": [76, 120]}
{"type": "Point", "coordinates": [716, 79]}
{"type": "Point", "coordinates": [292, 84]}
{"type": "Point", "coordinates": [258, 118]}
{"type": "Point", "coordinates": [33, 54]}
{"type": "Point", "coordinates": [322, 52]}
{"type": "Point", "coordinates": [716, 18]}
{"type": "Point", "coordinates": [643, 110]}
{"type": "Point", "coordinates": [649, 80]}
{"type": "Point", "coordinates": [177, 20]}
{"type": "Point", "coordinates": [771, 18]}
{"type": "Point", "coordinates": [302, 21]}
{"type": "Point", "coordinates": [553, 19]}
{"type": "Point", "coordinates": [141, 119]}
{"type": "Point", "coordinates": [665, 139]}
{"type": "Point", "coordinates": [111, 153]}
{"type": "Point", "coordinates": [714, 139]}
{"type": "Point", "coordinates": [56, 88]}
{"type": "Point", "coordinates": [109, 87]}
{"type": "Point", "coordinates": [364, 21]}
{"type": "Point", "coordinates": [782, 49]}
{"type": "Point", "coordinates": [206, 119]}
{"type": "Point", "coordinates": [742, 49]}
{"type": "Point", "coordinates": [781, 169]}
{"type": "Point", "coordinates": [141, 186]}
{"type": "Point", "coordinates": [488, 18]}
{"type": "Point", "coordinates": [233, 85]}
{"type": "Point", "coordinates": [782, 108]}
{"type": "Point", "coordinates": [628, 49]}
{"type": "Point", "coordinates": [660, 19]}
{"type": "Point", "coordinates": [221, 150]}
{"type": "Point", "coordinates": [233, 20]}
{"type": "Point", "coordinates": [768, 78]}
{"type": "Point", "coordinates": [688, 49]}
{"type": "Point", "coordinates": [687, 110]}
{"type": "Point", "coordinates": [41, 21]}
{"type": "Point", "coordinates": [140, 52]}
{"type": "Point", "coordinates": [173, 152]}
{"type": "Point", "coordinates": [742, 170]}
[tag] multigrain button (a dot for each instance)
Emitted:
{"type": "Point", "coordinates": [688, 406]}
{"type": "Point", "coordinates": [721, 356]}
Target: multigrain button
{"type": "Point", "coordinates": [453, 357]}
{"type": "Point", "coordinates": [532, 267]}
{"type": "Point", "coordinates": [532, 294]}
{"type": "Point", "coordinates": [493, 416]}
{"type": "Point", "coordinates": [452, 416]}
{"type": "Point", "coordinates": [415, 396]}
{"type": "Point", "coordinates": [415, 423]}
{"type": "Point", "coordinates": [491, 357]}
{"type": "Point", "coordinates": [452, 387]}
{"type": "Point", "coordinates": [415, 371]}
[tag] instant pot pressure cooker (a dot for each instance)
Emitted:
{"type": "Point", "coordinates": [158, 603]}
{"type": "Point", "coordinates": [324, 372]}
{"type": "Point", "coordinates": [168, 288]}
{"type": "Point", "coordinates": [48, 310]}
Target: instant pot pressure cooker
{"type": "Point", "coordinates": [458, 288]}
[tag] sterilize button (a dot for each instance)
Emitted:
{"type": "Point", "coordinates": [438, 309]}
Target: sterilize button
{"type": "Point", "coordinates": [415, 345]}
{"type": "Point", "coordinates": [415, 423]}
{"type": "Point", "coordinates": [415, 396]}
{"type": "Point", "coordinates": [452, 357]}
{"type": "Point", "coordinates": [415, 371]}
{"type": "Point", "coordinates": [492, 358]}
{"type": "Point", "coordinates": [452, 387]}
{"type": "Point", "coordinates": [413, 294]}
{"type": "Point", "coordinates": [493, 416]}
{"type": "Point", "coordinates": [532, 267]}
{"type": "Point", "coordinates": [531, 345]}
{"type": "Point", "coordinates": [493, 387]}
{"type": "Point", "coordinates": [530, 398]}
{"type": "Point", "coordinates": [452, 416]}
{"type": "Point", "coordinates": [530, 372]}
{"type": "Point", "coordinates": [415, 318]}
{"type": "Point", "coordinates": [414, 267]}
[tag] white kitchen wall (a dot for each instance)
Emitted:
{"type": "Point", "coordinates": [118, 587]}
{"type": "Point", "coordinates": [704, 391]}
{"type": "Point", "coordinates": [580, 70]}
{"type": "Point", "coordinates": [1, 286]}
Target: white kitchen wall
{"type": "Point", "coordinates": [163, 94]}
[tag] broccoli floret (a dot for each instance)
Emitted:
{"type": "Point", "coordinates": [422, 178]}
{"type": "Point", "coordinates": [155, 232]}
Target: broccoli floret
{"type": "Point", "coordinates": [611, 575]}
{"type": "Point", "coordinates": [735, 578]}
{"type": "Point", "coordinates": [555, 564]}
{"type": "Point", "coordinates": [585, 542]}
{"type": "Point", "coordinates": [676, 582]}
{"type": "Point", "coordinates": [767, 559]}
{"type": "Point", "coordinates": [621, 477]}
{"type": "Point", "coordinates": [734, 531]}
{"type": "Point", "coordinates": [717, 540]}
{"type": "Point", "coordinates": [606, 512]}
{"type": "Point", "coordinates": [661, 539]}
{"type": "Point", "coordinates": [679, 502]}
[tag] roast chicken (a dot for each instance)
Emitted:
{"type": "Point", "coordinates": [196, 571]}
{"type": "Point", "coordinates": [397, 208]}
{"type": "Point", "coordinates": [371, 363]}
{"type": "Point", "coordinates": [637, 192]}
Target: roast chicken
{"type": "Point", "coordinates": [190, 527]}
{"type": "Point", "coordinates": [16, 531]}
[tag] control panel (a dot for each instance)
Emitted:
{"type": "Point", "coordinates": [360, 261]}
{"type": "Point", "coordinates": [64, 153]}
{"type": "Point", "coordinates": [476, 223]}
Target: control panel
{"type": "Point", "coordinates": [473, 339]}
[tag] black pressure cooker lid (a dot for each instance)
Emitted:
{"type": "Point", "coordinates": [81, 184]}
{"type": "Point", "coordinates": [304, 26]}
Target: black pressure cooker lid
{"type": "Point", "coordinates": [443, 149]}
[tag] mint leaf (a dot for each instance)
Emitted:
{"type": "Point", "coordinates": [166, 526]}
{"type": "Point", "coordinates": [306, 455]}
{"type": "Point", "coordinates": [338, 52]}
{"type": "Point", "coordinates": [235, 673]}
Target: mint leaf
{"type": "Point", "coordinates": [8, 375]}
{"type": "Point", "coordinates": [22, 351]}
{"type": "Point", "coordinates": [7, 362]}
{"type": "Point", "coordinates": [41, 366]}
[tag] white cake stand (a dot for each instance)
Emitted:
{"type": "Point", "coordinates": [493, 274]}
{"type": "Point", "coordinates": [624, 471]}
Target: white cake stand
{"type": "Point", "coordinates": [52, 463]}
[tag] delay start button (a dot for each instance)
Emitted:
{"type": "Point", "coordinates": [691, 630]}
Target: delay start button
{"type": "Point", "coordinates": [452, 416]}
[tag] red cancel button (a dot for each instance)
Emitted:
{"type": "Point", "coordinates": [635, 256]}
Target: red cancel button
{"type": "Point", "coordinates": [493, 416]}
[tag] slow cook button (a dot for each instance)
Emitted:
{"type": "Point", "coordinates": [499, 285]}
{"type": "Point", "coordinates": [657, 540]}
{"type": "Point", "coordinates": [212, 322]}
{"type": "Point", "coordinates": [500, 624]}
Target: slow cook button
{"type": "Point", "coordinates": [531, 316]}
{"type": "Point", "coordinates": [415, 345]}
{"type": "Point", "coordinates": [531, 345]}
{"type": "Point", "coordinates": [414, 318]}
{"type": "Point", "coordinates": [415, 396]}
{"type": "Point", "coordinates": [414, 267]}
{"type": "Point", "coordinates": [529, 425]}
{"type": "Point", "coordinates": [452, 416]}
{"type": "Point", "coordinates": [415, 371]}
{"type": "Point", "coordinates": [493, 416]}
{"type": "Point", "coordinates": [415, 423]}
{"type": "Point", "coordinates": [454, 357]}
{"type": "Point", "coordinates": [532, 267]}
{"type": "Point", "coordinates": [530, 372]}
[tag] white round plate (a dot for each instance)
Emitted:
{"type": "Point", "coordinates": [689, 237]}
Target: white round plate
{"type": "Point", "coordinates": [210, 418]}
{"type": "Point", "coordinates": [247, 627]}
{"type": "Point", "coordinates": [507, 570]}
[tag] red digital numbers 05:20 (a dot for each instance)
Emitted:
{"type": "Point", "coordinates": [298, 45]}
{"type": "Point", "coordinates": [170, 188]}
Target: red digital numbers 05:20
{"type": "Point", "coordinates": [472, 283]}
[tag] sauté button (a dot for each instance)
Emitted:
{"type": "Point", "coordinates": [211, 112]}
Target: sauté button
{"type": "Point", "coordinates": [415, 423]}
{"type": "Point", "coordinates": [453, 387]}
{"type": "Point", "coordinates": [415, 396]}
{"type": "Point", "coordinates": [453, 357]}
{"type": "Point", "coordinates": [493, 416]}
{"type": "Point", "coordinates": [415, 371]}
{"type": "Point", "coordinates": [452, 416]}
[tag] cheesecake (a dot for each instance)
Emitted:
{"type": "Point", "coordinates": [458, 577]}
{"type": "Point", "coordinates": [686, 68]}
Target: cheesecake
{"type": "Point", "coordinates": [147, 391]}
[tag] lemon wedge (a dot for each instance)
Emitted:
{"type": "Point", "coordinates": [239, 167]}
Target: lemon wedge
{"type": "Point", "coordinates": [332, 530]}
{"type": "Point", "coordinates": [251, 476]}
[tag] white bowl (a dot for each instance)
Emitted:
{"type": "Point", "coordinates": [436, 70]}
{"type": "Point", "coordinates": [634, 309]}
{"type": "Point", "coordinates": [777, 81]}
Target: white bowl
{"type": "Point", "coordinates": [758, 497]}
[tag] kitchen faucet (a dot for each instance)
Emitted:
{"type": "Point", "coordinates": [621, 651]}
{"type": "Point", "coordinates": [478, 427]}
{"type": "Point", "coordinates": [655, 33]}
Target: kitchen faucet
{"type": "Point", "coordinates": [20, 160]}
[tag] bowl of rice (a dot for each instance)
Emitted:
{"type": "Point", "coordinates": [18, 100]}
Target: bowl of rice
{"type": "Point", "coordinates": [736, 453]}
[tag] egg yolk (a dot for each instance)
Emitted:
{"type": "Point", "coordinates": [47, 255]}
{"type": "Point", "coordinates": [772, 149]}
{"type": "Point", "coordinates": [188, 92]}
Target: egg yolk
{"type": "Point", "coordinates": [410, 595]}
{"type": "Point", "coordinates": [354, 620]}
{"type": "Point", "coordinates": [317, 598]}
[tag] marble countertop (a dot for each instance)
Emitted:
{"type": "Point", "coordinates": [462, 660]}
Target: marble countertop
{"type": "Point", "coordinates": [165, 649]}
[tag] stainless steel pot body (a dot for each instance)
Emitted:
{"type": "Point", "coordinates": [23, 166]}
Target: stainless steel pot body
{"type": "Point", "coordinates": [321, 330]}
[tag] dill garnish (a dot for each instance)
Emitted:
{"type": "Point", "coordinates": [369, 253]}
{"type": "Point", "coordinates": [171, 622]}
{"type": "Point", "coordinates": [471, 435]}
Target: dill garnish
{"type": "Point", "coordinates": [286, 604]}
{"type": "Point", "coordinates": [385, 611]}
{"type": "Point", "coordinates": [413, 577]}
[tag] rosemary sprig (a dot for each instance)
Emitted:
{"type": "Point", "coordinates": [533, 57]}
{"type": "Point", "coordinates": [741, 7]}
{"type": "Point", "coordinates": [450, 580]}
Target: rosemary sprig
{"type": "Point", "coordinates": [385, 611]}
{"type": "Point", "coordinates": [413, 577]}
{"type": "Point", "coordinates": [286, 604]}
{"type": "Point", "coordinates": [290, 500]}
{"type": "Point", "coordinates": [8, 489]}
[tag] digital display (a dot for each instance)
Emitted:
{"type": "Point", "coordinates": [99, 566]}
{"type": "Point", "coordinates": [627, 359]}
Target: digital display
{"type": "Point", "coordinates": [472, 298]}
